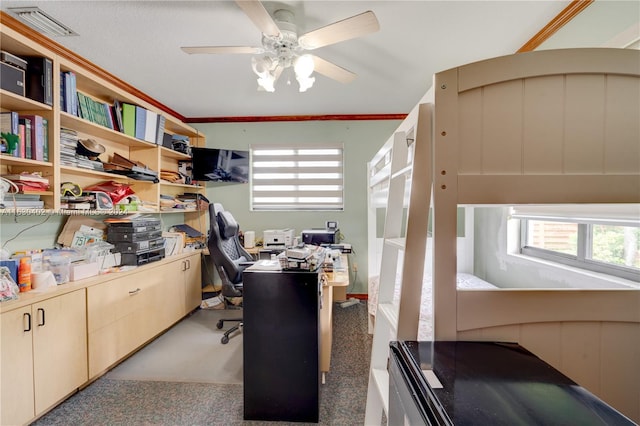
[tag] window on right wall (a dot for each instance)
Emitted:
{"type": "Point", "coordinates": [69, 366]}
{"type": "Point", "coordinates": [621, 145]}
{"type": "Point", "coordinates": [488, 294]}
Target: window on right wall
{"type": "Point", "coordinates": [600, 238]}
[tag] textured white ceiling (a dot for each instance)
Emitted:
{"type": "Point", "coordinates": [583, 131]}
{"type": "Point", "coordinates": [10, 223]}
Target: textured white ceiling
{"type": "Point", "coordinates": [139, 41]}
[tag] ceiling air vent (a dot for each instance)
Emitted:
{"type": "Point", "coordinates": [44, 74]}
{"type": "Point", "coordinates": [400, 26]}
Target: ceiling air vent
{"type": "Point", "coordinates": [42, 22]}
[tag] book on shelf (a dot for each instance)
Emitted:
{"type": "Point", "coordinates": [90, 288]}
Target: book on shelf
{"type": "Point", "coordinates": [141, 122]}
{"type": "Point", "coordinates": [63, 95]}
{"type": "Point", "coordinates": [111, 118]}
{"type": "Point", "coordinates": [160, 129]}
{"type": "Point", "coordinates": [26, 136]}
{"type": "Point", "coordinates": [26, 177]}
{"type": "Point", "coordinates": [151, 126]}
{"type": "Point", "coordinates": [39, 79]}
{"type": "Point", "coordinates": [69, 93]}
{"type": "Point", "coordinates": [22, 134]}
{"type": "Point", "coordinates": [9, 122]}
{"type": "Point", "coordinates": [26, 197]}
{"type": "Point", "coordinates": [37, 136]}
{"type": "Point", "coordinates": [31, 187]}
{"type": "Point", "coordinates": [45, 141]}
{"type": "Point", "coordinates": [76, 206]}
{"type": "Point", "coordinates": [23, 204]}
{"type": "Point", "coordinates": [129, 119]}
{"type": "Point", "coordinates": [117, 112]}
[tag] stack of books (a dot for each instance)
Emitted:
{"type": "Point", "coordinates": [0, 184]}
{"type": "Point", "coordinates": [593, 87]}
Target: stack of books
{"type": "Point", "coordinates": [23, 201]}
{"type": "Point", "coordinates": [84, 202]}
{"type": "Point", "coordinates": [68, 145]}
{"type": "Point", "coordinates": [29, 183]}
{"type": "Point", "coordinates": [85, 163]}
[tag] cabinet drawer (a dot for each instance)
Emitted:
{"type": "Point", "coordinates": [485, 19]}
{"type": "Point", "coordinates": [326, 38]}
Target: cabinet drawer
{"type": "Point", "coordinates": [119, 298]}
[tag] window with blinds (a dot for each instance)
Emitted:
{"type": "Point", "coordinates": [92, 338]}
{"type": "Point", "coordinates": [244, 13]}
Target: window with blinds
{"type": "Point", "coordinates": [288, 177]}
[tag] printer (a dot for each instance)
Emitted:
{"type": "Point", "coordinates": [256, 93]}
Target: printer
{"type": "Point", "coordinates": [278, 238]}
{"type": "Point", "coordinates": [320, 236]}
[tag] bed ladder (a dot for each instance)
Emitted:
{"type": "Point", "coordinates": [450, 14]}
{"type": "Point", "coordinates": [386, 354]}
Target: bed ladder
{"type": "Point", "coordinates": [399, 320]}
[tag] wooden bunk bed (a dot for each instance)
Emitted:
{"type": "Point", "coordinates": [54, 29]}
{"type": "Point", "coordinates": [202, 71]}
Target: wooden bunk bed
{"type": "Point", "coordinates": [546, 127]}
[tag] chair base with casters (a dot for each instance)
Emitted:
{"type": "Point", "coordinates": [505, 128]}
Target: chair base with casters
{"type": "Point", "coordinates": [229, 291]}
{"type": "Point", "coordinates": [225, 338]}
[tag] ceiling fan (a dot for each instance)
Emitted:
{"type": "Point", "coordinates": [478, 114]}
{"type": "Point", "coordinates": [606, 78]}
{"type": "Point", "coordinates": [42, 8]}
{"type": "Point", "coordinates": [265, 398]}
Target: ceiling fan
{"type": "Point", "coordinates": [282, 47]}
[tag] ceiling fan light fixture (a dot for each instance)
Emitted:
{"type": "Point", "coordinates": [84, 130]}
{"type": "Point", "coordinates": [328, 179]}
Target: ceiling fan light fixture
{"type": "Point", "coordinates": [282, 45]}
{"type": "Point", "coordinates": [305, 82]}
{"type": "Point", "coordinates": [261, 66]}
{"type": "Point", "coordinates": [266, 82]}
{"type": "Point", "coordinates": [303, 66]}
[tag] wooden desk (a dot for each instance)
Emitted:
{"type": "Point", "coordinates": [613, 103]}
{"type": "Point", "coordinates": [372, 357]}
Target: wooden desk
{"type": "Point", "coordinates": [336, 281]}
{"type": "Point", "coordinates": [253, 251]}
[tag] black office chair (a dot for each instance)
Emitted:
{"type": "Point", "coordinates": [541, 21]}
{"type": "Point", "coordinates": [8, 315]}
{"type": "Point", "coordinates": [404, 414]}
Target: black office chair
{"type": "Point", "coordinates": [229, 258]}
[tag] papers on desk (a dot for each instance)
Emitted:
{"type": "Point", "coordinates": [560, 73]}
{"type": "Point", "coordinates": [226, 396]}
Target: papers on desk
{"type": "Point", "coordinates": [265, 265]}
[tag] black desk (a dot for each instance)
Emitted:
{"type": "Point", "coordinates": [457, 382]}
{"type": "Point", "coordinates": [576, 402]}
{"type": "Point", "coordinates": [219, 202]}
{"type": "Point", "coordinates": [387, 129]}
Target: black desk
{"type": "Point", "coordinates": [281, 345]}
{"type": "Point", "coordinates": [485, 383]}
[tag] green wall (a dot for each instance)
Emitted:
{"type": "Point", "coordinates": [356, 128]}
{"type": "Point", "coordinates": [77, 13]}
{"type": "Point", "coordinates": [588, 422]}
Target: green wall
{"type": "Point", "coordinates": [361, 140]}
{"type": "Point", "coordinates": [34, 232]}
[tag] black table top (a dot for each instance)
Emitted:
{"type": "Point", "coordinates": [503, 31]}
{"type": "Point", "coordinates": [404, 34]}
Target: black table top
{"type": "Point", "coordinates": [490, 383]}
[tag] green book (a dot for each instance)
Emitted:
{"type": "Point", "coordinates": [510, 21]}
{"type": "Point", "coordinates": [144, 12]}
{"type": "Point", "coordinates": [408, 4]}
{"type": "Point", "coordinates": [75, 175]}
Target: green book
{"type": "Point", "coordinates": [129, 119]}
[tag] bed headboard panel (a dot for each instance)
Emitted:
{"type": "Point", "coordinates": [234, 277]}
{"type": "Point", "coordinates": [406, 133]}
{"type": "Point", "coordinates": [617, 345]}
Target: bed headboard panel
{"type": "Point", "coordinates": [541, 127]}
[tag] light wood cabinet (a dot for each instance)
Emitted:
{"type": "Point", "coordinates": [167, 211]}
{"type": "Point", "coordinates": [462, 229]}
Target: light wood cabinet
{"type": "Point", "coordinates": [192, 272]}
{"type": "Point", "coordinates": [126, 312]}
{"type": "Point", "coordinates": [44, 355]}
{"type": "Point", "coordinates": [16, 364]}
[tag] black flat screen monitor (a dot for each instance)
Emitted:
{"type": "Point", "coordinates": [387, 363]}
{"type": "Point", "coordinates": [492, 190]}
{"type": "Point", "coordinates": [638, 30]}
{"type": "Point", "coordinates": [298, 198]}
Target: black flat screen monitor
{"type": "Point", "coordinates": [220, 165]}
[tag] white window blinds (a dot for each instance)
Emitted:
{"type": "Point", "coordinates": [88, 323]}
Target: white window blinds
{"type": "Point", "coordinates": [288, 177]}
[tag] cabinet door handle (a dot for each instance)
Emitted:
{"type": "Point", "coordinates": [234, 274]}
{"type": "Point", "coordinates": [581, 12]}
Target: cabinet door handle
{"type": "Point", "coordinates": [132, 292]}
{"type": "Point", "coordinates": [188, 264]}
{"type": "Point", "coordinates": [41, 317]}
{"type": "Point", "coordinates": [26, 316]}
{"type": "Point", "coordinates": [184, 265]}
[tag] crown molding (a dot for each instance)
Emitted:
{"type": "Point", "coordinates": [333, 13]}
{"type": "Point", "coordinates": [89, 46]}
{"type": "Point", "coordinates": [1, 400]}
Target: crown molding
{"type": "Point", "coordinates": [567, 14]}
{"type": "Point", "coordinates": [274, 118]}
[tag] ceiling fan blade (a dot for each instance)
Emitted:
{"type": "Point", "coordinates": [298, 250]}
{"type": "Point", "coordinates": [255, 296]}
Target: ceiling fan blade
{"type": "Point", "coordinates": [356, 26]}
{"type": "Point", "coordinates": [222, 49]}
{"type": "Point", "coordinates": [260, 17]}
{"type": "Point", "coordinates": [331, 70]}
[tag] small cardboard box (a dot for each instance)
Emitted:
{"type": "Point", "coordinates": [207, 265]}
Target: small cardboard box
{"type": "Point", "coordinates": [80, 271]}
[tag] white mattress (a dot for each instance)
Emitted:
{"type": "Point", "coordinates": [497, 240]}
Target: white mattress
{"type": "Point", "coordinates": [425, 327]}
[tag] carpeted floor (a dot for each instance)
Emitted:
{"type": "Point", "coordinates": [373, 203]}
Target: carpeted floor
{"type": "Point", "coordinates": [121, 398]}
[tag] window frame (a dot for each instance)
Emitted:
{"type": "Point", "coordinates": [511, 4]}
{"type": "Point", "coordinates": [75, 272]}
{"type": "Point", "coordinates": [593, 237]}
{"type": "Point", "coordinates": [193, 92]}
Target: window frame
{"type": "Point", "coordinates": [297, 205]}
{"type": "Point", "coordinates": [582, 259]}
